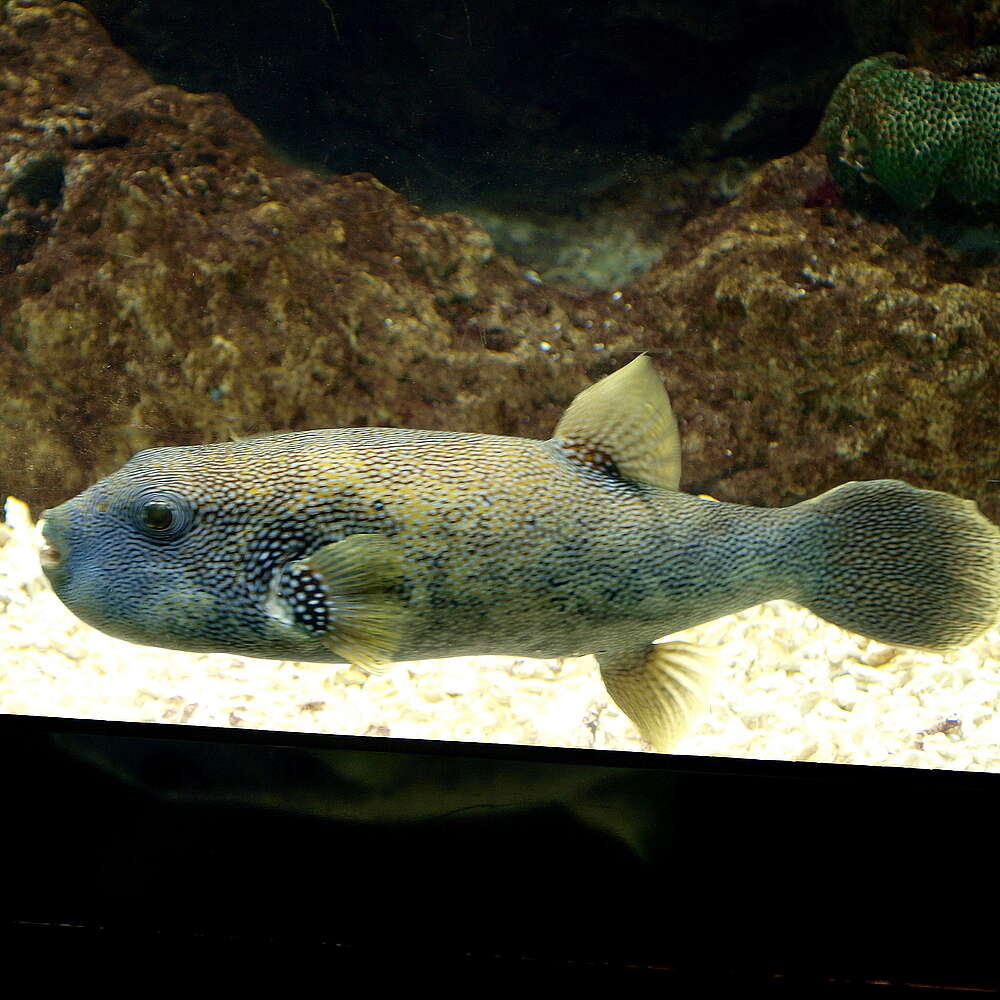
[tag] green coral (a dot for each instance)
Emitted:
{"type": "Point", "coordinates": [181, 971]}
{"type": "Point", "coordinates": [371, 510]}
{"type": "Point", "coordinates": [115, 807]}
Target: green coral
{"type": "Point", "coordinates": [914, 133]}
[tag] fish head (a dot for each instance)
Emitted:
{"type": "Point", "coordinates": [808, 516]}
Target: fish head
{"type": "Point", "coordinates": [136, 556]}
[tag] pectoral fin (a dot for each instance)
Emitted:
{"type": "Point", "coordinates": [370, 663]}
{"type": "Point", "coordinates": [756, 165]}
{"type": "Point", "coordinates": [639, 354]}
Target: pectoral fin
{"type": "Point", "coordinates": [660, 687]}
{"type": "Point", "coordinates": [348, 594]}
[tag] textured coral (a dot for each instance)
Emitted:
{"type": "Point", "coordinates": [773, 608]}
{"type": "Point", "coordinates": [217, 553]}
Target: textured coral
{"type": "Point", "coordinates": [914, 134]}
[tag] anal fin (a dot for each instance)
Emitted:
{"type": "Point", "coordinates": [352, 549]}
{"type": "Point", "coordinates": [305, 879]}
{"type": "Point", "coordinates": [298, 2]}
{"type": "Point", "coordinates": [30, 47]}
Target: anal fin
{"type": "Point", "coordinates": [661, 687]}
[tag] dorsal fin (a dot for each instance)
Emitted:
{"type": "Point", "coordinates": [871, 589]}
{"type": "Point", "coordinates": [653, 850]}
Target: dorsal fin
{"type": "Point", "coordinates": [625, 422]}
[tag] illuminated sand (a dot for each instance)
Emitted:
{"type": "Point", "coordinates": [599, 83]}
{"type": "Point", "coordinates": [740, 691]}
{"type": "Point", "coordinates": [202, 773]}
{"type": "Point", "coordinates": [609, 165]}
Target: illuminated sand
{"type": "Point", "coordinates": [790, 687]}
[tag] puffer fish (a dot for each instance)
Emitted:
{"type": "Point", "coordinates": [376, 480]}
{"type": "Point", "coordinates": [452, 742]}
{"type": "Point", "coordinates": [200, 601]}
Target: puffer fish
{"type": "Point", "coordinates": [370, 545]}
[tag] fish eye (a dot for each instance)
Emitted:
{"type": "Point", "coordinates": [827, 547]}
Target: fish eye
{"type": "Point", "coordinates": [162, 516]}
{"type": "Point", "coordinates": [157, 515]}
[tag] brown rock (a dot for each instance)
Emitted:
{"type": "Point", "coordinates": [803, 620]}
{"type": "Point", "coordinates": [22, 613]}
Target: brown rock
{"type": "Point", "coordinates": [817, 346]}
{"type": "Point", "coordinates": [174, 282]}
{"type": "Point", "coordinates": [165, 279]}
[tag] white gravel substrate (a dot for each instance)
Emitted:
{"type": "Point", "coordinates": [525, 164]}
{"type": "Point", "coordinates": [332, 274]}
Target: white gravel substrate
{"type": "Point", "coordinates": [790, 687]}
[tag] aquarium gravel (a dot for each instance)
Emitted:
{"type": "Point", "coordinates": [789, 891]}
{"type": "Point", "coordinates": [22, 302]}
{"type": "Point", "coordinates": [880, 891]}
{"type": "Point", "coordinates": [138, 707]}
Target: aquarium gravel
{"type": "Point", "coordinates": [790, 687]}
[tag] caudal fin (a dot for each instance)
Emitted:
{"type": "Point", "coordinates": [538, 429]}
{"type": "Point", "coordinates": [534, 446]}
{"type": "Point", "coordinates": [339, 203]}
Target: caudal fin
{"type": "Point", "coordinates": [904, 566]}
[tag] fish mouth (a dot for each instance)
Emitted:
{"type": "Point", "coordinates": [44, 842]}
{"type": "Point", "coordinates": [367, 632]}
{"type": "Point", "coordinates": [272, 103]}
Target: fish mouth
{"type": "Point", "coordinates": [50, 555]}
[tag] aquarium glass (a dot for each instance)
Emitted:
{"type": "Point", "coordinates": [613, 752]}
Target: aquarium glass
{"type": "Point", "coordinates": [227, 223]}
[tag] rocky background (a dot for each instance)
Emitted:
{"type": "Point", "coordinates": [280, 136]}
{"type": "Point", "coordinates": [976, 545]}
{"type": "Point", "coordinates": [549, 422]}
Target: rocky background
{"type": "Point", "coordinates": [167, 276]}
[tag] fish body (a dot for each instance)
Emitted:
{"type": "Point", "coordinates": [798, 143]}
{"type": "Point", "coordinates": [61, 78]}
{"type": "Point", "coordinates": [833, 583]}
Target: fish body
{"type": "Point", "coordinates": [375, 545]}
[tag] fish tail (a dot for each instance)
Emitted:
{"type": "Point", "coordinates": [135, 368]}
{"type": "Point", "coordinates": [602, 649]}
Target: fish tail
{"type": "Point", "coordinates": [901, 565]}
